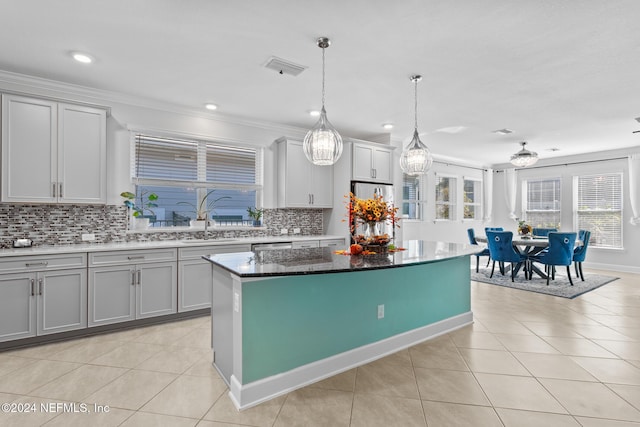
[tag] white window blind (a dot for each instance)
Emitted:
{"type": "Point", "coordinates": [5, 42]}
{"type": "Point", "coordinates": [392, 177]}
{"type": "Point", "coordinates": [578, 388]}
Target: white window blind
{"type": "Point", "coordinates": [599, 208]}
{"type": "Point", "coordinates": [472, 198]}
{"type": "Point", "coordinates": [445, 197]}
{"type": "Point", "coordinates": [542, 204]}
{"type": "Point", "coordinates": [181, 172]}
{"type": "Point", "coordinates": [412, 203]}
{"type": "Point", "coordinates": [162, 158]}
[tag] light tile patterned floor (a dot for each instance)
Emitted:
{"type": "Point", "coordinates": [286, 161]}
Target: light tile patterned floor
{"type": "Point", "coordinates": [528, 360]}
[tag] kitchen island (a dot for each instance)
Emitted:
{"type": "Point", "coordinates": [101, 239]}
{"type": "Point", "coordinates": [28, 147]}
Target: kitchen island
{"type": "Point", "coordinates": [285, 319]}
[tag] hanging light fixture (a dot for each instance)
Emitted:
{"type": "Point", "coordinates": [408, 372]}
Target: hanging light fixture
{"type": "Point", "coordinates": [524, 157]}
{"type": "Point", "coordinates": [416, 157]}
{"type": "Point", "coordinates": [323, 144]}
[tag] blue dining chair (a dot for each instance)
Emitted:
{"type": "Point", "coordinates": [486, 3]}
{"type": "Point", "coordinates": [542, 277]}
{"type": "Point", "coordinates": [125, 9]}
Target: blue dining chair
{"type": "Point", "coordinates": [580, 253]}
{"type": "Point", "coordinates": [559, 252]}
{"type": "Point", "coordinates": [485, 252]}
{"type": "Point", "coordinates": [543, 232]}
{"type": "Point", "coordinates": [501, 249]}
{"type": "Point", "coordinates": [493, 229]}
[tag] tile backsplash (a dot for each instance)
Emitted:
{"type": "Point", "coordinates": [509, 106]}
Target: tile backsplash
{"type": "Point", "coordinates": [65, 224]}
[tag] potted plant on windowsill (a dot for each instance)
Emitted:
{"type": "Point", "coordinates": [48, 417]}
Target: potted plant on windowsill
{"type": "Point", "coordinates": [255, 214]}
{"type": "Point", "coordinates": [147, 201]}
{"type": "Point", "coordinates": [203, 209]}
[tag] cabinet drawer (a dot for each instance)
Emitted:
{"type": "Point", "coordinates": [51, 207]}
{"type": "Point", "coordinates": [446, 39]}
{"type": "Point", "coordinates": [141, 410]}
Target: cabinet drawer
{"type": "Point", "coordinates": [42, 262]}
{"type": "Point", "coordinates": [197, 252]}
{"type": "Point", "coordinates": [305, 244]}
{"type": "Point", "coordinates": [132, 257]}
{"type": "Point", "coordinates": [332, 243]}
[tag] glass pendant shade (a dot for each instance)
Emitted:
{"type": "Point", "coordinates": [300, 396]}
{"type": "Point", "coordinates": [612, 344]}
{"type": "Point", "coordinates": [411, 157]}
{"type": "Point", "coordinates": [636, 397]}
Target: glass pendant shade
{"type": "Point", "coordinates": [524, 157]}
{"type": "Point", "coordinates": [323, 144]}
{"type": "Point", "coordinates": [416, 158]}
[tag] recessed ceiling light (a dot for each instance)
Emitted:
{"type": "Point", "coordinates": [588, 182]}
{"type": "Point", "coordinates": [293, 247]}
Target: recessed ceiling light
{"type": "Point", "coordinates": [211, 106]}
{"type": "Point", "coordinates": [81, 57]}
{"type": "Point", "coordinates": [314, 113]}
{"type": "Point", "coordinates": [504, 131]}
{"type": "Point", "coordinates": [388, 125]}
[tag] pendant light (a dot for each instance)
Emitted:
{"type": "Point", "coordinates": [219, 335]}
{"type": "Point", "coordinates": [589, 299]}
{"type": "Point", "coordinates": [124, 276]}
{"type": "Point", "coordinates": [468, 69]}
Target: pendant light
{"type": "Point", "coordinates": [416, 157]}
{"type": "Point", "coordinates": [524, 157]}
{"type": "Point", "coordinates": [323, 144]}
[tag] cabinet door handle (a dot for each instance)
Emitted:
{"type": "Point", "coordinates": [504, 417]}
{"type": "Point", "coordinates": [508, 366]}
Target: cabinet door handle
{"type": "Point", "coordinates": [135, 257]}
{"type": "Point", "coordinates": [54, 190]}
{"type": "Point", "coordinates": [33, 287]}
{"type": "Point", "coordinates": [313, 199]}
{"type": "Point", "coordinates": [60, 189]}
{"type": "Point", "coordinates": [36, 264]}
{"type": "Point", "coordinates": [138, 275]}
{"type": "Point", "coordinates": [133, 277]}
{"type": "Point", "coordinates": [40, 285]}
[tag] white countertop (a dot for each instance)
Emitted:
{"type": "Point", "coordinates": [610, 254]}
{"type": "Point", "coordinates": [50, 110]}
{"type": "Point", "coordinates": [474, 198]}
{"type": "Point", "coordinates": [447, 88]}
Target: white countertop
{"type": "Point", "coordinates": [185, 243]}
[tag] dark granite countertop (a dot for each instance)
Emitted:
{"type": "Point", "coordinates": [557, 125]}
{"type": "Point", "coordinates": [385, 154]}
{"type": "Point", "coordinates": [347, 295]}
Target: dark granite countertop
{"type": "Point", "coordinates": [287, 262]}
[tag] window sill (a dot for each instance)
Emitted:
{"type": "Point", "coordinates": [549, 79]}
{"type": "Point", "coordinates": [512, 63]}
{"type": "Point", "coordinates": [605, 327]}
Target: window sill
{"type": "Point", "coordinates": [213, 229]}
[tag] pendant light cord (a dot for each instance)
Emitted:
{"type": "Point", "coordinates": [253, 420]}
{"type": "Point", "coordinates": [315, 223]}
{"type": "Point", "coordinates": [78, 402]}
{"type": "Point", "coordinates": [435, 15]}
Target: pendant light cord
{"type": "Point", "coordinates": [415, 104]}
{"type": "Point", "coordinates": [323, 77]}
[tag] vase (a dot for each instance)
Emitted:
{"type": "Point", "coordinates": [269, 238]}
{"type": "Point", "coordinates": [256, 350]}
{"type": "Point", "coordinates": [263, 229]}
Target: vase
{"type": "Point", "coordinates": [371, 230]}
{"type": "Point", "coordinates": [140, 223]}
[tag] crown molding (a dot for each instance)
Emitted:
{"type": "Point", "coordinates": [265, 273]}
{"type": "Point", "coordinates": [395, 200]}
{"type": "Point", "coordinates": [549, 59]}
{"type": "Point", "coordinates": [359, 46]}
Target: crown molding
{"type": "Point", "coordinates": [38, 86]}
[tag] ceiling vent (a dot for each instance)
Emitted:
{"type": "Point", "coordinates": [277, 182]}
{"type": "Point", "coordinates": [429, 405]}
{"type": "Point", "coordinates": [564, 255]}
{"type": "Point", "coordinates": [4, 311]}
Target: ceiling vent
{"type": "Point", "coordinates": [282, 66]}
{"type": "Point", "coordinates": [504, 131]}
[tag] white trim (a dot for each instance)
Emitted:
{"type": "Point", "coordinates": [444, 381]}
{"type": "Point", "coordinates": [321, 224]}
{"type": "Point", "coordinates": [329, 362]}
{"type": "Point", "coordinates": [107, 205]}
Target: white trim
{"type": "Point", "coordinates": [29, 85]}
{"type": "Point", "coordinates": [245, 396]}
{"type": "Point", "coordinates": [612, 267]}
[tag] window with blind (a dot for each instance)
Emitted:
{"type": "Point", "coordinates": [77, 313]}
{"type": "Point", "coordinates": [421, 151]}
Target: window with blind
{"type": "Point", "coordinates": [598, 208]}
{"type": "Point", "coordinates": [412, 203]}
{"type": "Point", "coordinates": [183, 172]}
{"type": "Point", "coordinates": [445, 198]}
{"type": "Point", "coordinates": [541, 206]}
{"type": "Point", "coordinates": [472, 199]}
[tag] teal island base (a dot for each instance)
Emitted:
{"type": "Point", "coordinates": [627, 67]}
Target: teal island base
{"type": "Point", "coordinates": [272, 334]}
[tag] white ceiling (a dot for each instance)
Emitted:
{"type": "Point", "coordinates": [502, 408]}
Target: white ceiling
{"type": "Point", "coordinates": [560, 74]}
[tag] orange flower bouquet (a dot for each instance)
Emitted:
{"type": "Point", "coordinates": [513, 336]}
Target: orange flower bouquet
{"type": "Point", "coordinates": [371, 212]}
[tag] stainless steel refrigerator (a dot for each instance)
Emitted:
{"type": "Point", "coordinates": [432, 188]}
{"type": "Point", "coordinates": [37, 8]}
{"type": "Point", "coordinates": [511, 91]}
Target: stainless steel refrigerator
{"type": "Point", "coordinates": [366, 190]}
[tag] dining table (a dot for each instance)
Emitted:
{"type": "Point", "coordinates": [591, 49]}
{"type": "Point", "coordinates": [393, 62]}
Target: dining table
{"type": "Point", "coordinates": [528, 246]}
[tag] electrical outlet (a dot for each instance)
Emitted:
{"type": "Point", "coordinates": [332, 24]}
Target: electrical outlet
{"type": "Point", "coordinates": [88, 237]}
{"type": "Point", "coordinates": [284, 231]}
{"type": "Point", "coordinates": [296, 231]}
{"type": "Point", "coordinates": [381, 311]}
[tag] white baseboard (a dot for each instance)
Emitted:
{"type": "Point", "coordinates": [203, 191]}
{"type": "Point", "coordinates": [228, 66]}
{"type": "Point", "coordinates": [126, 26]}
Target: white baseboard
{"type": "Point", "coordinates": [248, 395]}
{"type": "Point", "coordinates": [611, 267]}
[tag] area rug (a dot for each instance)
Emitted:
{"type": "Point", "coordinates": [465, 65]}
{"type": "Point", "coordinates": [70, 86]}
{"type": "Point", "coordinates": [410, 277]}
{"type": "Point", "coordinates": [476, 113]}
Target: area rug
{"type": "Point", "coordinates": [559, 287]}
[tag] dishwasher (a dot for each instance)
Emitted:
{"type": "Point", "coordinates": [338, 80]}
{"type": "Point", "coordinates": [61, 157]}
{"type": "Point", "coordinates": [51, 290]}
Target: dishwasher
{"type": "Point", "coordinates": [271, 246]}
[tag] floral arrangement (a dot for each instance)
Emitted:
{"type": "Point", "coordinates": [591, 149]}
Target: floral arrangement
{"type": "Point", "coordinates": [371, 210]}
{"type": "Point", "coordinates": [524, 228]}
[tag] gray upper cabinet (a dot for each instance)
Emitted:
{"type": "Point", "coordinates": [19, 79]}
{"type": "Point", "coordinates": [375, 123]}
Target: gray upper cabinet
{"type": "Point", "coordinates": [52, 152]}
{"type": "Point", "coordinates": [302, 184]}
{"type": "Point", "coordinates": [372, 163]}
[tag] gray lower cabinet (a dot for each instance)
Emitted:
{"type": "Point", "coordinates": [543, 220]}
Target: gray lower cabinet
{"type": "Point", "coordinates": [42, 302]}
{"type": "Point", "coordinates": [194, 274]}
{"type": "Point", "coordinates": [129, 285]}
